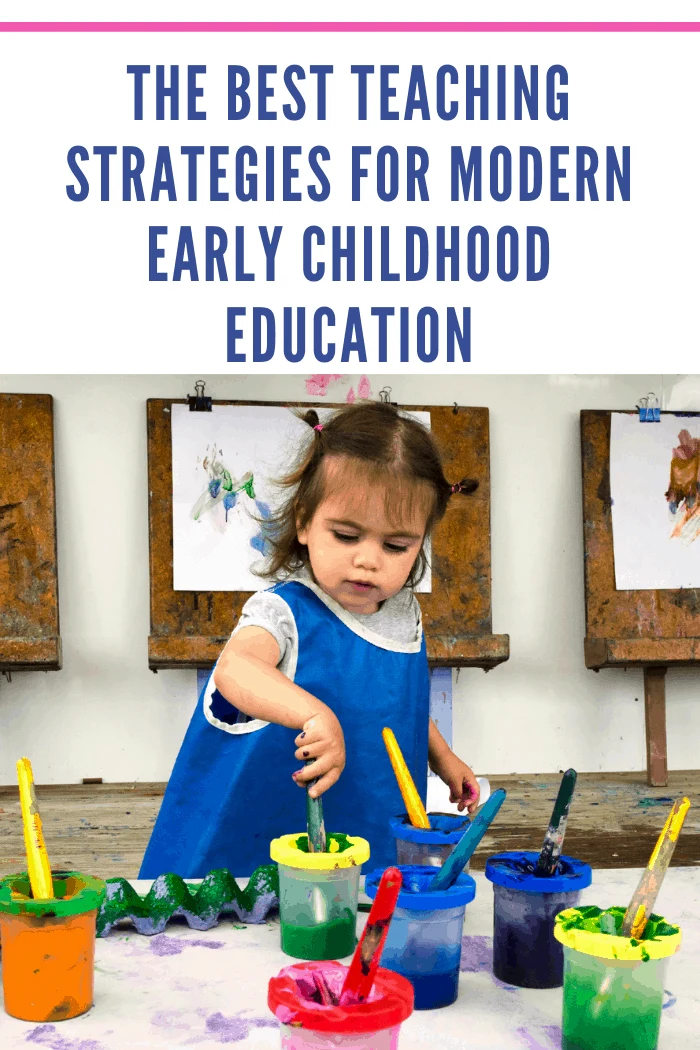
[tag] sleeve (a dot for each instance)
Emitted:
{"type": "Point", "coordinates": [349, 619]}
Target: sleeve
{"type": "Point", "coordinates": [270, 611]}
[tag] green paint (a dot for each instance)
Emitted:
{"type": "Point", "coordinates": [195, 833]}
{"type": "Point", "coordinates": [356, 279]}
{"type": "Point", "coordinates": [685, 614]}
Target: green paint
{"type": "Point", "coordinates": [326, 940]}
{"type": "Point", "coordinates": [604, 1014]}
{"type": "Point", "coordinates": [74, 894]}
{"type": "Point", "coordinates": [170, 894]}
{"type": "Point", "coordinates": [343, 842]}
{"type": "Point", "coordinates": [595, 920]}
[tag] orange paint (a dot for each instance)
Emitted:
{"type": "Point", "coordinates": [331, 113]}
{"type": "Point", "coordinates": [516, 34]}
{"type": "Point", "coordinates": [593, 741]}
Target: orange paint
{"type": "Point", "coordinates": [48, 947]}
{"type": "Point", "coordinates": [48, 965]}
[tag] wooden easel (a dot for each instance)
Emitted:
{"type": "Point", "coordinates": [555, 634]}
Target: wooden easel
{"type": "Point", "coordinates": [29, 631]}
{"type": "Point", "coordinates": [190, 629]}
{"type": "Point", "coordinates": [652, 630]}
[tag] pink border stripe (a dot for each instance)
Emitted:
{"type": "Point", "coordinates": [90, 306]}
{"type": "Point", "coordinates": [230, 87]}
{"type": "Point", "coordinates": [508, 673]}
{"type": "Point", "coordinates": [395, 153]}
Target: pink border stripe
{"type": "Point", "coordinates": [350, 27]}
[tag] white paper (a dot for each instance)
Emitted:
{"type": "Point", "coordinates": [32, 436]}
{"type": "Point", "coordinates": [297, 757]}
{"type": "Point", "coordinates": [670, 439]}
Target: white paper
{"type": "Point", "coordinates": [225, 467]}
{"type": "Point", "coordinates": [656, 540]}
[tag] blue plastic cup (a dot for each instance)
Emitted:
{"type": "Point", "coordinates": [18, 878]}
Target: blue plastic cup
{"type": "Point", "coordinates": [525, 905]}
{"type": "Point", "coordinates": [424, 942]}
{"type": "Point", "coordinates": [428, 846]}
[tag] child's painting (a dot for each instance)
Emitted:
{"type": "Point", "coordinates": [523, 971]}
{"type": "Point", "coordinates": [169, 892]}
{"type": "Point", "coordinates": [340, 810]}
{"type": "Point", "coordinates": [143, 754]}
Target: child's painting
{"type": "Point", "coordinates": [655, 489]}
{"type": "Point", "coordinates": [225, 465]}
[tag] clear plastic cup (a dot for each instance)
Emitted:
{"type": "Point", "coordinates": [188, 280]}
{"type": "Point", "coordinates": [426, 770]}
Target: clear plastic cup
{"type": "Point", "coordinates": [525, 951]}
{"type": "Point", "coordinates": [428, 846]}
{"type": "Point", "coordinates": [318, 895]}
{"type": "Point", "coordinates": [613, 986]}
{"type": "Point", "coordinates": [306, 1023]}
{"type": "Point", "coordinates": [424, 942]}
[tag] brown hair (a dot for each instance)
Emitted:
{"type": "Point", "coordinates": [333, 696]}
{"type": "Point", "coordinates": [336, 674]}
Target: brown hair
{"type": "Point", "coordinates": [383, 447]}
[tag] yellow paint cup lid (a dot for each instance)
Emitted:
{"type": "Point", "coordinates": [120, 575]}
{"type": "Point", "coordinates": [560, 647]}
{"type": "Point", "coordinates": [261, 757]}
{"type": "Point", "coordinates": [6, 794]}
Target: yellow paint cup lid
{"type": "Point", "coordinates": [344, 851]}
{"type": "Point", "coordinates": [578, 928]}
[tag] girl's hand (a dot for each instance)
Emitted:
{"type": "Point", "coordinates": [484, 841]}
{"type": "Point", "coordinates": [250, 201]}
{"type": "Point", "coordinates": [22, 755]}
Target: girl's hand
{"type": "Point", "coordinates": [461, 781]}
{"type": "Point", "coordinates": [321, 739]}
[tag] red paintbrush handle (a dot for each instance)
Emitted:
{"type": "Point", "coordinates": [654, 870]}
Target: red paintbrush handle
{"type": "Point", "coordinates": [360, 975]}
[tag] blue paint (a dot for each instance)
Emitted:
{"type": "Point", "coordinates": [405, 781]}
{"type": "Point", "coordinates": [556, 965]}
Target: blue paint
{"type": "Point", "coordinates": [261, 540]}
{"type": "Point", "coordinates": [214, 486]}
{"type": "Point", "coordinates": [433, 990]}
{"type": "Point", "coordinates": [229, 502]}
{"type": "Point", "coordinates": [424, 942]}
{"type": "Point", "coordinates": [525, 951]}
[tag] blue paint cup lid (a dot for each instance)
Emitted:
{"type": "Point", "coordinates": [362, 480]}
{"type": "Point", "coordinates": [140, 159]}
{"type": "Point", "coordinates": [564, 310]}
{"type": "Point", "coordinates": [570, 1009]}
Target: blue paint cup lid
{"type": "Point", "coordinates": [415, 895]}
{"type": "Point", "coordinates": [515, 871]}
{"type": "Point", "coordinates": [446, 829]}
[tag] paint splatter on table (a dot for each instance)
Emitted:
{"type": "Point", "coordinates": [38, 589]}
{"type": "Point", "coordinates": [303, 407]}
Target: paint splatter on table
{"type": "Point", "coordinates": [185, 988]}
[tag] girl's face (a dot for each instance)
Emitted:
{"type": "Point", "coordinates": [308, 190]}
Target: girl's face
{"type": "Point", "coordinates": [357, 555]}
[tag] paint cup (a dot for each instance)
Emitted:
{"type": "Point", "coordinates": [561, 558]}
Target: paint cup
{"type": "Point", "coordinates": [307, 1024]}
{"type": "Point", "coordinates": [318, 895]}
{"type": "Point", "coordinates": [424, 942]}
{"type": "Point", "coordinates": [48, 946]}
{"type": "Point", "coordinates": [613, 986]}
{"type": "Point", "coordinates": [525, 951]}
{"type": "Point", "coordinates": [428, 846]}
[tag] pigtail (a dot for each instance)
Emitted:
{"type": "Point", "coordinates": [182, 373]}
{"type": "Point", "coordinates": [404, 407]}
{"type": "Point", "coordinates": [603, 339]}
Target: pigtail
{"type": "Point", "coordinates": [311, 417]}
{"type": "Point", "coordinates": [466, 486]}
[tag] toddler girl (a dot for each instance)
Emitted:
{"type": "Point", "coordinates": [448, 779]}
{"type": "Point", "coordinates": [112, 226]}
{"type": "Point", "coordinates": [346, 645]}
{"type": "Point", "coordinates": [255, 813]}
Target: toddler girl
{"type": "Point", "coordinates": [321, 662]}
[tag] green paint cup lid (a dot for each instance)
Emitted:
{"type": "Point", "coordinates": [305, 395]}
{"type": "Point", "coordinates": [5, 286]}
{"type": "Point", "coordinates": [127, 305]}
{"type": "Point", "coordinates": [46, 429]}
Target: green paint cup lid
{"type": "Point", "coordinates": [74, 894]}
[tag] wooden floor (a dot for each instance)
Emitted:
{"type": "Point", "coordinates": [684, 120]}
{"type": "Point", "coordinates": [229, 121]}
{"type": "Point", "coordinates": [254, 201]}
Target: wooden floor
{"type": "Point", "coordinates": [615, 819]}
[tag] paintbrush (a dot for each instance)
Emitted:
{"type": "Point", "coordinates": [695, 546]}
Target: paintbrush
{"type": "Point", "coordinates": [471, 838]}
{"type": "Point", "coordinates": [409, 793]}
{"type": "Point", "coordinates": [554, 838]}
{"type": "Point", "coordinates": [37, 859]}
{"type": "Point", "coordinates": [644, 897]}
{"type": "Point", "coordinates": [315, 827]}
{"type": "Point", "coordinates": [363, 968]}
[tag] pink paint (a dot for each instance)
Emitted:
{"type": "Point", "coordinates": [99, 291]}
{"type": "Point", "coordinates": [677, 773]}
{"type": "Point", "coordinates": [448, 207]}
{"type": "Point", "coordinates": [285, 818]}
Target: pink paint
{"type": "Point", "coordinates": [349, 27]}
{"type": "Point", "coordinates": [306, 1022]}
{"type": "Point", "coordinates": [350, 396]}
{"type": "Point", "coordinates": [317, 385]}
{"type": "Point", "coordinates": [364, 390]}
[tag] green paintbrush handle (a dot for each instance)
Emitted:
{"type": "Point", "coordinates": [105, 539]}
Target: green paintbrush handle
{"type": "Point", "coordinates": [315, 828]}
{"type": "Point", "coordinates": [554, 838]}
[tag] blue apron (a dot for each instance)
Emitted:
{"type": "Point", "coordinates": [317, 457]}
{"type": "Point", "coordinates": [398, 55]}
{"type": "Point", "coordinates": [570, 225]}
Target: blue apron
{"type": "Point", "coordinates": [231, 790]}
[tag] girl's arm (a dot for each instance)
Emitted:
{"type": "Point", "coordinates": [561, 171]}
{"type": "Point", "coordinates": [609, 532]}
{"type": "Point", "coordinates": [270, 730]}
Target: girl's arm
{"type": "Point", "coordinates": [462, 783]}
{"type": "Point", "coordinates": [247, 676]}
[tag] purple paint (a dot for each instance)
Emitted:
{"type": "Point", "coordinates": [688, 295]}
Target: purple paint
{"type": "Point", "coordinates": [235, 1029]}
{"type": "Point", "coordinates": [163, 945]}
{"type": "Point", "coordinates": [165, 1019]}
{"type": "Point", "coordinates": [46, 1035]}
{"type": "Point", "coordinates": [477, 954]}
{"type": "Point", "coordinates": [552, 1033]}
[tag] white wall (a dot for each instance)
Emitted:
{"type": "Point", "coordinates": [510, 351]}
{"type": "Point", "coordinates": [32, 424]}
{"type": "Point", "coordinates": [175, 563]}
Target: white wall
{"type": "Point", "coordinates": [105, 714]}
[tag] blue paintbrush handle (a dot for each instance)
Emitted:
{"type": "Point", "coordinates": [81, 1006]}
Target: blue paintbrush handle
{"type": "Point", "coordinates": [468, 842]}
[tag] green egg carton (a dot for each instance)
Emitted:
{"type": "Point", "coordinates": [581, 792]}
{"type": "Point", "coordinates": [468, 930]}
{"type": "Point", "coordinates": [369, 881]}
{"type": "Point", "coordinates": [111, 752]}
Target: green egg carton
{"type": "Point", "coordinates": [201, 905]}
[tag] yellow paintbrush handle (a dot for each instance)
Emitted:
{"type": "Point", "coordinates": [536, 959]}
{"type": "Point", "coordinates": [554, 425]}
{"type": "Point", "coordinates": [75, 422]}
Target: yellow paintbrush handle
{"type": "Point", "coordinates": [414, 806]}
{"type": "Point", "coordinates": [644, 898]}
{"type": "Point", "coordinates": [37, 859]}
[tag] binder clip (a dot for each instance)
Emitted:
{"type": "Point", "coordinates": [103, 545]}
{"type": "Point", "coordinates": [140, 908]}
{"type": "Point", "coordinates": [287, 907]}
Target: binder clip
{"type": "Point", "coordinates": [199, 403]}
{"type": "Point", "coordinates": [385, 396]}
{"type": "Point", "coordinates": [649, 410]}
